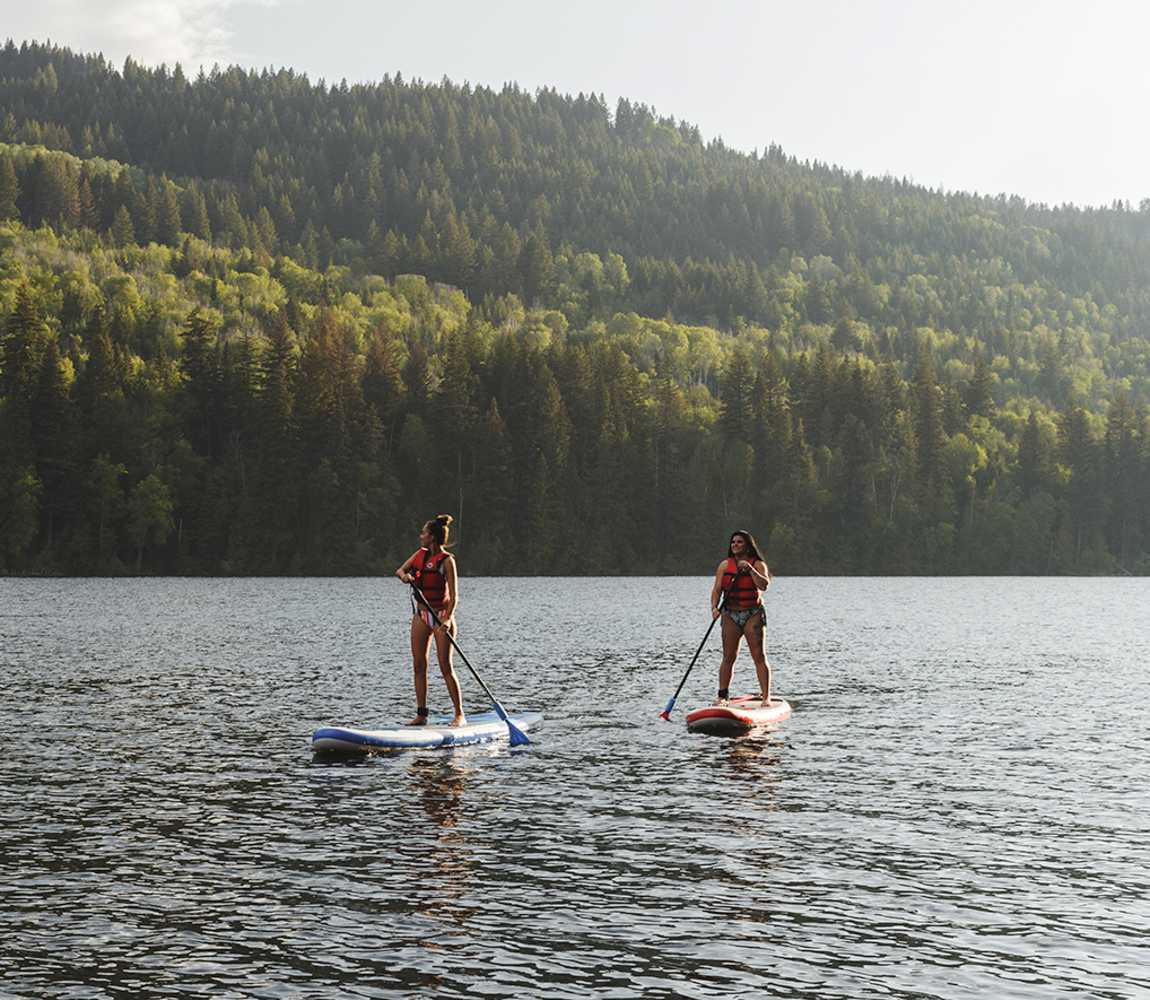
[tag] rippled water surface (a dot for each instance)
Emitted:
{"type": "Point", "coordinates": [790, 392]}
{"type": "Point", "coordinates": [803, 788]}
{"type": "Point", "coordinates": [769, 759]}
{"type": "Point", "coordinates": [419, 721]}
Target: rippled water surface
{"type": "Point", "coordinates": [959, 806]}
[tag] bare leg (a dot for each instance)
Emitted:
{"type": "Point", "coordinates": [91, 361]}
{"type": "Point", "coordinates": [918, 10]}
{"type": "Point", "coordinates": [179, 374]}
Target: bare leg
{"type": "Point", "coordinates": [443, 651]}
{"type": "Point", "coordinates": [731, 637]}
{"type": "Point", "coordinates": [420, 644]}
{"type": "Point", "coordinates": [756, 643]}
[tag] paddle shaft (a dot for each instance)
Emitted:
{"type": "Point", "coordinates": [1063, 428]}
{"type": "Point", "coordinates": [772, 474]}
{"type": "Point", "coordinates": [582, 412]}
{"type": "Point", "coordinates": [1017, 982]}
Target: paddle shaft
{"type": "Point", "coordinates": [434, 617]}
{"type": "Point", "coordinates": [706, 636]}
{"type": "Point", "coordinates": [666, 713]}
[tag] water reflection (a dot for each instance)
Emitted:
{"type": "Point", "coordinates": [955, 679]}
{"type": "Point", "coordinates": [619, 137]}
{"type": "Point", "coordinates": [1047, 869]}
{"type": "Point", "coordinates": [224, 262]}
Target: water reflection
{"type": "Point", "coordinates": [755, 759]}
{"type": "Point", "coordinates": [445, 871]}
{"type": "Point", "coordinates": [440, 780]}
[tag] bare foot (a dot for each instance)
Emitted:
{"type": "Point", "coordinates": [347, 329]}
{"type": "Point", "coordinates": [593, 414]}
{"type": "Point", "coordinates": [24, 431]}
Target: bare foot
{"type": "Point", "coordinates": [419, 720]}
{"type": "Point", "coordinates": [766, 701]}
{"type": "Point", "coordinates": [722, 702]}
{"type": "Point", "coordinates": [459, 720]}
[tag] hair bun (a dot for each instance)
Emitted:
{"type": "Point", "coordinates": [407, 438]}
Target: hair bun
{"type": "Point", "coordinates": [445, 519]}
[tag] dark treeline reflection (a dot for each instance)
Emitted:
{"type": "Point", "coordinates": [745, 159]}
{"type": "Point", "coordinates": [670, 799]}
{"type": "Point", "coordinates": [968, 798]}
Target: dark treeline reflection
{"type": "Point", "coordinates": [252, 324]}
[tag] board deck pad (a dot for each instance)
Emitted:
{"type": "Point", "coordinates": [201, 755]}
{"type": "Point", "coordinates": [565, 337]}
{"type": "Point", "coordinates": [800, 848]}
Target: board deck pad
{"type": "Point", "coordinates": [481, 727]}
{"type": "Point", "coordinates": [738, 717]}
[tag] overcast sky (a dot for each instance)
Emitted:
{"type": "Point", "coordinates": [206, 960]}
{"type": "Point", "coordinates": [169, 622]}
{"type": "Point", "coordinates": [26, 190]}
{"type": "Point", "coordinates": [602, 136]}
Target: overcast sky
{"type": "Point", "coordinates": [1043, 99]}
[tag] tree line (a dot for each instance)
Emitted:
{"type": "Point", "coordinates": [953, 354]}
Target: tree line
{"type": "Point", "coordinates": [233, 419]}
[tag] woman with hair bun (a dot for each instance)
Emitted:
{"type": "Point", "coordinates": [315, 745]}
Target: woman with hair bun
{"type": "Point", "coordinates": [739, 582]}
{"type": "Point", "coordinates": [431, 569]}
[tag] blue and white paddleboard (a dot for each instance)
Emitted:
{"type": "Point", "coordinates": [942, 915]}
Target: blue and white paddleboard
{"type": "Point", "coordinates": [482, 727]}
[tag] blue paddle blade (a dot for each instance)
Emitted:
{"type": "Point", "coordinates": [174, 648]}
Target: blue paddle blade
{"type": "Point", "coordinates": [666, 713]}
{"type": "Point", "coordinates": [517, 736]}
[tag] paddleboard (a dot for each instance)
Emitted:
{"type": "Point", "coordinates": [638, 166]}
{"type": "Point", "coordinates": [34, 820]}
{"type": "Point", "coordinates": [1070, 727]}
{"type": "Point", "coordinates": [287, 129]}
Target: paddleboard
{"type": "Point", "coordinates": [482, 727]}
{"type": "Point", "coordinates": [737, 718]}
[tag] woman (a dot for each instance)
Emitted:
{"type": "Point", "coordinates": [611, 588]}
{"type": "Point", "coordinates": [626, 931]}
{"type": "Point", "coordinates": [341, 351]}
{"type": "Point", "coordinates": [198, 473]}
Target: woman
{"type": "Point", "coordinates": [739, 581]}
{"type": "Point", "coordinates": [432, 571]}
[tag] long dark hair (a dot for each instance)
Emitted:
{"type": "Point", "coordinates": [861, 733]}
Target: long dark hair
{"type": "Point", "coordinates": [752, 548]}
{"type": "Point", "coordinates": [439, 527]}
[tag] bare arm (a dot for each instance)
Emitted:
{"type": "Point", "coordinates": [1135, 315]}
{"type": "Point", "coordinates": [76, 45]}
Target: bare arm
{"type": "Point", "coordinates": [717, 589]}
{"type": "Point", "coordinates": [761, 574]}
{"type": "Point", "coordinates": [403, 573]}
{"type": "Point", "coordinates": [757, 571]}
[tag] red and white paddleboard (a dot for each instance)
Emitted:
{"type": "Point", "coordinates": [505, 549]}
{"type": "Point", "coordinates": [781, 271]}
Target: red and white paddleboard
{"type": "Point", "coordinates": [737, 718]}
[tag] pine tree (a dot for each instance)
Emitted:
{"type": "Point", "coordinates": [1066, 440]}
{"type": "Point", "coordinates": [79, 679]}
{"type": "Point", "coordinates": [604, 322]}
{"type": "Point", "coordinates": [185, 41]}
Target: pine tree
{"type": "Point", "coordinates": [536, 266]}
{"type": "Point", "coordinates": [980, 391]}
{"type": "Point", "coordinates": [106, 502]}
{"type": "Point", "coordinates": [1080, 453]}
{"type": "Point", "coordinates": [167, 211]}
{"type": "Point", "coordinates": [9, 189]}
{"type": "Point", "coordinates": [19, 514]}
{"type": "Point", "coordinates": [21, 351]}
{"type": "Point", "coordinates": [54, 434]}
{"type": "Point", "coordinates": [492, 499]}
{"type": "Point", "coordinates": [201, 372]}
{"type": "Point", "coordinates": [89, 215]}
{"type": "Point", "coordinates": [928, 427]}
{"type": "Point", "coordinates": [1123, 480]}
{"type": "Point", "coordinates": [195, 212]}
{"type": "Point", "coordinates": [736, 395]}
{"type": "Point", "coordinates": [99, 392]}
{"type": "Point", "coordinates": [55, 196]}
{"type": "Point", "coordinates": [274, 497]}
{"type": "Point", "coordinates": [123, 232]}
{"type": "Point", "coordinates": [1033, 461]}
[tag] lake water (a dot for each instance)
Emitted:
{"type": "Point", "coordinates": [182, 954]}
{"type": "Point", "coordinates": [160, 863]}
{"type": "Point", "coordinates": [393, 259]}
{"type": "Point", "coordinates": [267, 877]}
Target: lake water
{"type": "Point", "coordinates": [959, 806]}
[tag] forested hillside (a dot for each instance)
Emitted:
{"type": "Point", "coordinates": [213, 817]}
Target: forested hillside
{"type": "Point", "coordinates": [253, 323]}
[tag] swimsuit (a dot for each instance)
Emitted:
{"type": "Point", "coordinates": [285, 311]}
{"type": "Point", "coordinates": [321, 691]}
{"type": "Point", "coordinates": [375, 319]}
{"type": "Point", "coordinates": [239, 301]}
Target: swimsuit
{"type": "Point", "coordinates": [740, 616]}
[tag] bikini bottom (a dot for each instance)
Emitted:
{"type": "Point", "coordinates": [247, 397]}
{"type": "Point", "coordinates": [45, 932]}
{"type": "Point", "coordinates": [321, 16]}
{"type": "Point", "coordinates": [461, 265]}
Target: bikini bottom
{"type": "Point", "coordinates": [740, 616]}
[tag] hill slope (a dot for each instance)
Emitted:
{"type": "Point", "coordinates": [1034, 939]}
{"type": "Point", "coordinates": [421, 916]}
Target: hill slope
{"type": "Point", "coordinates": [878, 377]}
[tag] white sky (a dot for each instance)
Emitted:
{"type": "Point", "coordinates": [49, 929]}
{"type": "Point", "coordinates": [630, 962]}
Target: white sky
{"type": "Point", "coordinates": [1043, 99]}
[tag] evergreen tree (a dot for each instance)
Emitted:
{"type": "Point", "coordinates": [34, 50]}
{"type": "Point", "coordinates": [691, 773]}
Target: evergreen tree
{"type": "Point", "coordinates": [9, 189]}
{"type": "Point", "coordinates": [928, 427]}
{"type": "Point", "coordinates": [201, 372]}
{"type": "Point", "coordinates": [537, 266]}
{"type": "Point", "coordinates": [1033, 462]}
{"type": "Point", "coordinates": [1124, 480]}
{"type": "Point", "coordinates": [1085, 499]}
{"type": "Point", "coordinates": [167, 212]}
{"type": "Point", "coordinates": [195, 211]}
{"type": "Point", "coordinates": [105, 498]}
{"type": "Point", "coordinates": [123, 232]}
{"type": "Point", "coordinates": [54, 434]}
{"type": "Point", "coordinates": [273, 507]}
{"type": "Point", "coordinates": [980, 391]}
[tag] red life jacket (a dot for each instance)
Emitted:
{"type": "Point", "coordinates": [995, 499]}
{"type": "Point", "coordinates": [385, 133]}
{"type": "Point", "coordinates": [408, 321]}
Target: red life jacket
{"type": "Point", "coordinates": [740, 586]}
{"type": "Point", "coordinates": [429, 576]}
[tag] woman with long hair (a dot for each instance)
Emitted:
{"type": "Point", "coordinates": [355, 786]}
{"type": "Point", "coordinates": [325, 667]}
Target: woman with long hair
{"type": "Point", "coordinates": [431, 569]}
{"type": "Point", "coordinates": [737, 596]}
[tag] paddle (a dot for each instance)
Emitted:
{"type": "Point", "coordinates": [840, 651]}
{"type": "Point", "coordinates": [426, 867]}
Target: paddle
{"type": "Point", "coordinates": [666, 713]}
{"type": "Point", "coordinates": [518, 737]}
